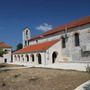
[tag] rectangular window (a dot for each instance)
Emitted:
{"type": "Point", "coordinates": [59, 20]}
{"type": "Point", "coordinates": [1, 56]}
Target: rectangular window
{"type": "Point", "coordinates": [63, 42]}
{"type": "Point", "coordinates": [77, 41]}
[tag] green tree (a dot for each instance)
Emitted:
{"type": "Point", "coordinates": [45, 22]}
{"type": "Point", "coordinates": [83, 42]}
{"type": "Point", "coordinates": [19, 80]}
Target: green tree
{"type": "Point", "coordinates": [2, 52]}
{"type": "Point", "coordinates": [19, 46]}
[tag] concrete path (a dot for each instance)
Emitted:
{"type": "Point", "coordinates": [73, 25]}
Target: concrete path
{"type": "Point", "coordinates": [84, 86]}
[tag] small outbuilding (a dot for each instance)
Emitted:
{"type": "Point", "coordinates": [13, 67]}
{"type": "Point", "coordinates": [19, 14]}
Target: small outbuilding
{"type": "Point", "coordinates": [6, 58]}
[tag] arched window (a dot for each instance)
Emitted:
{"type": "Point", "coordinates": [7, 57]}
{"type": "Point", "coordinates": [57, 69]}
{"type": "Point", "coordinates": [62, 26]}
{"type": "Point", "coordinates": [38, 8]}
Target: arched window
{"type": "Point", "coordinates": [54, 56]}
{"type": "Point", "coordinates": [32, 57]}
{"type": "Point", "coordinates": [28, 42]}
{"type": "Point", "coordinates": [25, 43]}
{"type": "Point", "coordinates": [6, 51]}
{"type": "Point", "coordinates": [63, 42]}
{"type": "Point", "coordinates": [39, 58]}
{"type": "Point", "coordinates": [77, 41]}
{"type": "Point", "coordinates": [26, 32]}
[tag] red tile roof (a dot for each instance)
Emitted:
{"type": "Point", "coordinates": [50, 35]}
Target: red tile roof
{"type": "Point", "coordinates": [73, 24]}
{"type": "Point", "coordinates": [37, 47]}
{"type": "Point", "coordinates": [4, 45]}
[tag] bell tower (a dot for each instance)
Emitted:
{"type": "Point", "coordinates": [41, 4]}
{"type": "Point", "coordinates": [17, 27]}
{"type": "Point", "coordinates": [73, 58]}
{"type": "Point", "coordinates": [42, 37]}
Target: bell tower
{"type": "Point", "coordinates": [26, 37]}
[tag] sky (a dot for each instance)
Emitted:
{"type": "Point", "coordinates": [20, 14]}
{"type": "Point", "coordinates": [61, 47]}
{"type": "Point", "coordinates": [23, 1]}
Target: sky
{"type": "Point", "coordinates": [38, 15]}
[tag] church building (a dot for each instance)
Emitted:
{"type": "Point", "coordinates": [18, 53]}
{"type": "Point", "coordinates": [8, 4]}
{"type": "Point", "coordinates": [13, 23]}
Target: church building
{"type": "Point", "coordinates": [69, 43]}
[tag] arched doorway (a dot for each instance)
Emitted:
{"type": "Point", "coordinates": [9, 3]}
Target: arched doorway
{"type": "Point", "coordinates": [39, 58]}
{"type": "Point", "coordinates": [15, 58]}
{"type": "Point", "coordinates": [54, 56]}
{"type": "Point", "coordinates": [32, 57]}
{"type": "Point", "coordinates": [5, 60]}
{"type": "Point", "coordinates": [27, 56]}
{"type": "Point", "coordinates": [18, 58]}
{"type": "Point", "coordinates": [22, 57]}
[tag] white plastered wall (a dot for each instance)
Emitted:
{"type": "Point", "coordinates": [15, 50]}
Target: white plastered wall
{"type": "Point", "coordinates": [6, 56]}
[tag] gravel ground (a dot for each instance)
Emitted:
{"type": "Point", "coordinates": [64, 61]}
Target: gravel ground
{"type": "Point", "coordinates": [41, 79]}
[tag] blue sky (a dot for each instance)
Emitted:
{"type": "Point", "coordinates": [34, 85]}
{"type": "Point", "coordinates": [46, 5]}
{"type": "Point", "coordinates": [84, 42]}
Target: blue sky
{"type": "Point", "coordinates": [15, 15]}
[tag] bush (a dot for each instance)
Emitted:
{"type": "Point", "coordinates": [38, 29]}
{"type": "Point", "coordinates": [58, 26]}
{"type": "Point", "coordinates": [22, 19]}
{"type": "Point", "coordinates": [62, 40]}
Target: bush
{"type": "Point", "coordinates": [2, 52]}
{"type": "Point", "coordinates": [88, 68]}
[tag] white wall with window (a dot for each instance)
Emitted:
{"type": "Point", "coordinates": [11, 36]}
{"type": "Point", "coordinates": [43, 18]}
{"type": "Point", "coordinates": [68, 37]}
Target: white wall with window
{"type": "Point", "coordinates": [6, 57]}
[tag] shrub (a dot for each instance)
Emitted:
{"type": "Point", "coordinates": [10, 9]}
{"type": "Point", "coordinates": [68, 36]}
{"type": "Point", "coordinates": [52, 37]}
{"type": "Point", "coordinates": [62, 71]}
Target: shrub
{"type": "Point", "coordinates": [88, 68]}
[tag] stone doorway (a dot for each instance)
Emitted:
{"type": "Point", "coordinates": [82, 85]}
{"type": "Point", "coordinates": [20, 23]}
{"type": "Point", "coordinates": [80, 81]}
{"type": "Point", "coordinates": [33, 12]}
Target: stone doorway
{"type": "Point", "coordinates": [39, 59]}
{"type": "Point", "coordinates": [54, 56]}
{"type": "Point", "coordinates": [5, 60]}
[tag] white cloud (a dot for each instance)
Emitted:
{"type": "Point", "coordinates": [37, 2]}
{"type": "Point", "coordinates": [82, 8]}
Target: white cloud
{"type": "Point", "coordinates": [44, 27]}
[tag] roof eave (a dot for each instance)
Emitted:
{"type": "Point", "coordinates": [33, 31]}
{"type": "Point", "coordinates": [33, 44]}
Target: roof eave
{"type": "Point", "coordinates": [30, 52]}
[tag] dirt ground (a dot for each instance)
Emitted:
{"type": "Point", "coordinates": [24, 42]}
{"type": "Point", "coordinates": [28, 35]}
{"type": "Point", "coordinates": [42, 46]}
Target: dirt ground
{"type": "Point", "coordinates": [41, 79]}
{"type": "Point", "coordinates": [8, 65]}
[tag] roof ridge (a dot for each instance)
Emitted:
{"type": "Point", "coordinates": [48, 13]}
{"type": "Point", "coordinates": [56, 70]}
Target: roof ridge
{"type": "Point", "coordinates": [73, 23]}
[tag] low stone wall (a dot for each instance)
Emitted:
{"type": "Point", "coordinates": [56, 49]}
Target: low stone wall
{"type": "Point", "coordinates": [70, 66]}
{"type": "Point", "coordinates": [66, 66]}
